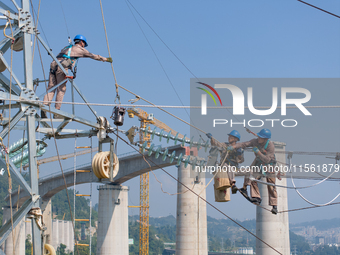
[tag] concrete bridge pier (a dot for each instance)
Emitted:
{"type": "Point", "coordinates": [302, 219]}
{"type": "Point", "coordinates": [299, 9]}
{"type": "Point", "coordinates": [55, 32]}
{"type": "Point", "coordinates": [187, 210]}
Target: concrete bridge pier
{"type": "Point", "coordinates": [191, 221]}
{"type": "Point", "coordinates": [19, 234]}
{"type": "Point", "coordinates": [273, 229]}
{"type": "Point", "coordinates": [113, 224]}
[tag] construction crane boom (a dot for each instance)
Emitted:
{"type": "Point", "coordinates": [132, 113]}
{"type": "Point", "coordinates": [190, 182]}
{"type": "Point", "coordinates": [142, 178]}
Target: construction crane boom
{"type": "Point", "coordinates": [146, 119]}
{"type": "Point", "coordinates": [149, 119]}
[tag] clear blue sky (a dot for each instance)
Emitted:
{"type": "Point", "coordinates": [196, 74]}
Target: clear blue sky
{"type": "Point", "coordinates": [215, 39]}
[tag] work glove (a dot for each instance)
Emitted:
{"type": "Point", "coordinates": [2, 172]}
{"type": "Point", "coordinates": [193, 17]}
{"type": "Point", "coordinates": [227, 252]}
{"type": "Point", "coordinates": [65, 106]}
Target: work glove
{"type": "Point", "coordinates": [230, 148]}
{"type": "Point", "coordinates": [256, 150]}
{"type": "Point", "coordinates": [209, 135]}
{"type": "Point", "coordinates": [109, 59]}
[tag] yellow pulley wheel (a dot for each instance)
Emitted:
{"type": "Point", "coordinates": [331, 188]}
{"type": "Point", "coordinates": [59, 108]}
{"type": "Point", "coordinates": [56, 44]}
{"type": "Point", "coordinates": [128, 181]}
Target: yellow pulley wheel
{"type": "Point", "coordinates": [95, 165]}
{"type": "Point", "coordinates": [104, 167]}
{"type": "Point", "coordinates": [101, 165]}
{"type": "Point", "coordinates": [49, 250]}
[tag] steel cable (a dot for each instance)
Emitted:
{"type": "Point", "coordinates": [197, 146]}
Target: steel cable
{"type": "Point", "coordinates": [59, 160]}
{"type": "Point", "coordinates": [200, 197]}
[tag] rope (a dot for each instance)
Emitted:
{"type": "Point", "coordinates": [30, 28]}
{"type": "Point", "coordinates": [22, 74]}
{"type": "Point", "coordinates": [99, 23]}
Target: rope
{"type": "Point", "coordinates": [59, 160]}
{"type": "Point", "coordinates": [35, 22]}
{"type": "Point", "coordinates": [108, 48]}
{"type": "Point", "coordinates": [91, 200]}
{"type": "Point", "coordinates": [214, 207]}
{"type": "Point", "coordinates": [169, 106]}
{"type": "Point", "coordinates": [9, 133]}
{"type": "Point", "coordinates": [170, 194]}
{"type": "Point", "coordinates": [74, 179]}
{"type": "Point", "coordinates": [226, 155]}
{"type": "Point", "coordinates": [38, 23]}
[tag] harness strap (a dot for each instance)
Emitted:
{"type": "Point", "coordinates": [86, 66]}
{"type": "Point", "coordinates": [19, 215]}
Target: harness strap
{"type": "Point", "coordinates": [69, 54]}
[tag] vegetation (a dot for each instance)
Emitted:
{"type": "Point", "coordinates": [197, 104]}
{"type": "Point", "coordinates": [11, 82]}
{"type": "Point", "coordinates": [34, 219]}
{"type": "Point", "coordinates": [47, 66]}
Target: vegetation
{"type": "Point", "coordinates": [156, 242]}
{"type": "Point", "coordinates": [60, 206]}
{"type": "Point", "coordinates": [326, 250]}
{"type": "Point", "coordinates": [223, 235]}
{"type": "Point", "coordinates": [300, 243]}
{"type": "Point", "coordinates": [28, 245]}
{"type": "Point", "coordinates": [321, 224]}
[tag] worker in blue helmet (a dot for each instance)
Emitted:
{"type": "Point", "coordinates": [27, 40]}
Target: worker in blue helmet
{"type": "Point", "coordinates": [264, 151]}
{"type": "Point", "coordinates": [68, 58]}
{"type": "Point", "coordinates": [233, 158]}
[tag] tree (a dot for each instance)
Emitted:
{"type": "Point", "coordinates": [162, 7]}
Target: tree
{"type": "Point", "coordinates": [61, 250]}
{"type": "Point", "coordinates": [327, 250]}
{"type": "Point", "coordinates": [302, 247]}
{"type": "Point", "coordinates": [28, 245]}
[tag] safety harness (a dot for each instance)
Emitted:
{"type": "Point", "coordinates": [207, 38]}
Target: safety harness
{"type": "Point", "coordinates": [259, 162]}
{"type": "Point", "coordinates": [68, 62]}
{"type": "Point", "coordinates": [232, 157]}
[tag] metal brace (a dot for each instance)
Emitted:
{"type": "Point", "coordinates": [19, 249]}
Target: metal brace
{"type": "Point", "coordinates": [29, 95]}
{"type": "Point", "coordinates": [38, 216]}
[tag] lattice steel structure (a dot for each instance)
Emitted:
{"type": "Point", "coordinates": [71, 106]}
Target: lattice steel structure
{"type": "Point", "coordinates": [24, 99]}
{"type": "Point", "coordinates": [144, 201]}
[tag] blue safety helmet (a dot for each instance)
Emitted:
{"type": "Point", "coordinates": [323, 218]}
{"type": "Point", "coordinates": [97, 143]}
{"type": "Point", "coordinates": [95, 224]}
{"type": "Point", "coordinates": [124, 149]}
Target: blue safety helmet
{"type": "Point", "coordinates": [235, 134]}
{"type": "Point", "coordinates": [265, 133]}
{"type": "Point", "coordinates": [80, 37]}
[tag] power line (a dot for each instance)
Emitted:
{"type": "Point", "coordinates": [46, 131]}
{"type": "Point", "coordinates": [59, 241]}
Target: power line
{"type": "Point", "coordinates": [175, 106]}
{"type": "Point", "coordinates": [318, 8]}
{"type": "Point", "coordinates": [214, 207]}
{"type": "Point", "coordinates": [308, 207]}
{"type": "Point", "coordinates": [62, 9]}
{"type": "Point", "coordinates": [161, 65]}
{"type": "Point", "coordinates": [59, 160]}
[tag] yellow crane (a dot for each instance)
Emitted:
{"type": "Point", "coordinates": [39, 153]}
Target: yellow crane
{"type": "Point", "coordinates": [146, 119]}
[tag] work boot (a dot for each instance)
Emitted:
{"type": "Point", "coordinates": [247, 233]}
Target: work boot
{"type": "Point", "coordinates": [234, 189]}
{"type": "Point", "coordinates": [256, 200]}
{"type": "Point", "coordinates": [274, 210]}
{"type": "Point", "coordinates": [43, 114]}
{"type": "Point", "coordinates": [244, 192]}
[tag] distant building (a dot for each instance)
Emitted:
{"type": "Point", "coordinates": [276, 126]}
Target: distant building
{"type": "Point", "coordinates": [311, 231]}
{"type": "Point", "coordinates": [245, 250]}
{"type": "Point", "coordinates": [320, 240]}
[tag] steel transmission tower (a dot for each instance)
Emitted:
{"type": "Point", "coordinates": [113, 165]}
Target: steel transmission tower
{"type": "Point", "coordinates": [27, 104]}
